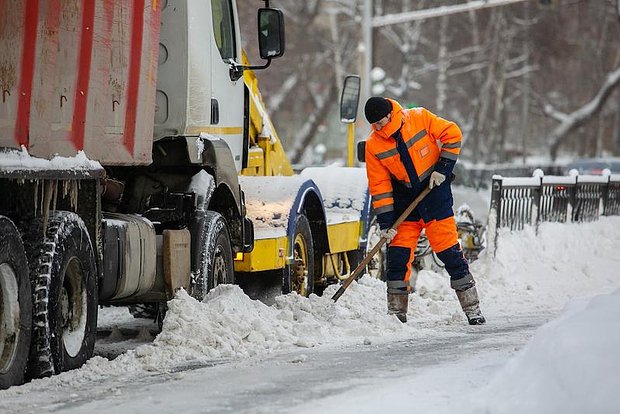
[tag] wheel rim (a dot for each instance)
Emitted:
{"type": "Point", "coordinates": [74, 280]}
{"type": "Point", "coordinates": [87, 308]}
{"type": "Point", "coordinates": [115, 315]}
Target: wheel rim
{"type": "Point", "coordinates": [299, 273]}
{"type": "Point", "coordinates": [73, 308]}
{"type": "Point", "coordinates": [219, 267]}
{"type": "Point", "coordinates": [9, 316]}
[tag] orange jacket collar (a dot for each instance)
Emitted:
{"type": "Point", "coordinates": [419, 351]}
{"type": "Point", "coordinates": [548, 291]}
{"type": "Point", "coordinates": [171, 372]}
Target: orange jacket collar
{"type": "Point", "coordinates": [396, 121]}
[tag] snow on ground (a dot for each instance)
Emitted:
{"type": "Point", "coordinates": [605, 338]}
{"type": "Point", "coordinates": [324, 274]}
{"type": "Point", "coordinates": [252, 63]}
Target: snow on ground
{"type": "Point", "coordinates": [570, 366]}
{"type": "Point", "coordinates": [571, 359]}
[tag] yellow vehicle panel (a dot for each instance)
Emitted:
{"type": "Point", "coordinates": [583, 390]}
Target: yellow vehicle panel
{"type": "Point", "coordinates": [268, 254]}
{"type": "Point", "coordinates": [343, 237]}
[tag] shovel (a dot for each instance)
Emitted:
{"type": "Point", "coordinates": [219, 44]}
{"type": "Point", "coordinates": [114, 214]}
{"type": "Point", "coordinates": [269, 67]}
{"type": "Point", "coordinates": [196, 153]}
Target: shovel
{"type": "Point", "coordinates": [358, 270]}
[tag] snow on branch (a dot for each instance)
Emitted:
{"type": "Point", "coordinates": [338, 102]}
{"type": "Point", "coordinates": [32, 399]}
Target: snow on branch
{"type": "Point", "coordinates": [569, 122]}
{"type": "Point", "coordinates": [440, 11]}
{"type": "Point", "coordinates": [287, 86]}
{"type": "Point", "coordinates": [517, 73]}
{"type": "Point", "coordinates": [551, 112]}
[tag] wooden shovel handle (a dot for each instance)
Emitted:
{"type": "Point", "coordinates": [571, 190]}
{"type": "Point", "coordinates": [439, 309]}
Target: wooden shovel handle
{"type": "Point", "coordinates": [358, 270]}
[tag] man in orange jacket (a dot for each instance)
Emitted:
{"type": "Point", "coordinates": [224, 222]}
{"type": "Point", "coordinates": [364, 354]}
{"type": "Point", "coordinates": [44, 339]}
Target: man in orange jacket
{"type": "Point", "coordinates": [402, 158]}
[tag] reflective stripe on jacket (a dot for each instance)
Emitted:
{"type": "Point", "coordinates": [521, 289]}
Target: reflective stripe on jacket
{"type": "Point", "coordinates": [391, 186]}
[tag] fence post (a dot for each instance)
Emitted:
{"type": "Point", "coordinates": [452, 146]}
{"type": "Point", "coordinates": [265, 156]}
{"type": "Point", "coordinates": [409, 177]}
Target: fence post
{"type": "Point", "coordinates": [494, 213]}
{"type": "Point", "coordinates": [536, 196]}
{"type": "Point", "coordinates": [605, 195]}
{"type": "Point", "coordinates": [572, 201]}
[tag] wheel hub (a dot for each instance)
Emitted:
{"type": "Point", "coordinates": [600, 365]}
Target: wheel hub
{"type": "Point", "coordinates": [73, 308]}
{"type": "Point", "coordinates": [299, 273]}
{"type": "Point", "coordinates": [219, 269]}
{"type": "Point", "coordinates": [9, 316]}
{"type": "Point", "coordinates": [64, 307]}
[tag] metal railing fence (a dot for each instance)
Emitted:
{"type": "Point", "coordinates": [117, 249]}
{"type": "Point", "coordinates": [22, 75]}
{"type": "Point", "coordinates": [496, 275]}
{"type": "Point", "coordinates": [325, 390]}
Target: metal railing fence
{"type": "Point", "coordinates": [520, 201]}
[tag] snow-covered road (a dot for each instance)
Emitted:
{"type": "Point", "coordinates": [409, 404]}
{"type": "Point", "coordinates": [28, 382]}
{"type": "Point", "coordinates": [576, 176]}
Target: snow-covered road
{"type": "Point", "coordinates": [338, 378]}
{"type": "Point", "coordinates": [233, 354]}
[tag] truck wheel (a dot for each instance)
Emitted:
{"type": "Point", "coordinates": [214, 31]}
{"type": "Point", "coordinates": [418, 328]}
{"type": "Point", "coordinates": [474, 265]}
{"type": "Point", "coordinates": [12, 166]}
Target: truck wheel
{"type": "Point", "coordinates": [15, 306]}
{"type": "Point", "coordinates": [64, 281]}
{"type": "Point", "coordinates": [214, 263]}
{"type": "Point", "coordinates": [299, 276]}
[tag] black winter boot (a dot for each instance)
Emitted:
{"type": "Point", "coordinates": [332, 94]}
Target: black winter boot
{"type": "Point", "coordinates": [471, 305]}
{"type": "Point", "coordinates": [397, 304]}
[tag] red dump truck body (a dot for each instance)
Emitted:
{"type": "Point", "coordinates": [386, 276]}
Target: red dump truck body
{"type": "Point", "coordinates": [79, 75]}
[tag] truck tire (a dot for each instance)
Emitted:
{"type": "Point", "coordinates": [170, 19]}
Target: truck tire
{"type": "Point", "coordinates": [213, 265]}
{"type": "Point", "coordinates": [299, 276]}
{"type": "Point", "coordinates": [64, 282]}
{"type": "Point", "coordinates": [15, 306]}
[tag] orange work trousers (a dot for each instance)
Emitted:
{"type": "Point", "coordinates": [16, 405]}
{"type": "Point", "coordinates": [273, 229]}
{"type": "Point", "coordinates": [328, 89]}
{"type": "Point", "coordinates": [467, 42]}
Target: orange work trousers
{"type": "Point", "coordinates": [443, 238]}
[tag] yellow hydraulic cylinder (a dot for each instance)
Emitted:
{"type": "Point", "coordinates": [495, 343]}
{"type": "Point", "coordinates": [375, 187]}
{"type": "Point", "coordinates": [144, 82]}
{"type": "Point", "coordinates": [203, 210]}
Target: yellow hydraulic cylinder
{"type": "Point", "coordinates": [351, 136]}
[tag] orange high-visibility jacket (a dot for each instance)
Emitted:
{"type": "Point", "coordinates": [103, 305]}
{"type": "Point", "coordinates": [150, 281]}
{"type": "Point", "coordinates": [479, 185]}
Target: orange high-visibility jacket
{"type": "Point", "coordinates": [433, 144]}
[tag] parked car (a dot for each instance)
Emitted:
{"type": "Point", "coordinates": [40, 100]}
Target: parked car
{"type": "Point", "coordinates": [595, 166]}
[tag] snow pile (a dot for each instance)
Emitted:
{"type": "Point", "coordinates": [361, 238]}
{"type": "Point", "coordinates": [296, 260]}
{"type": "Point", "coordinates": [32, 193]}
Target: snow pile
{"type": "Point", "coordinates": [571, 365]}
{"type": "Point", "coordinates": [231, 325]}
{"type": "Point", "coordinates": [531, 273]}
{"type": "Point", "coordinates": [14, 159]}
{"type": "Point", "coordinates": [541, 272]}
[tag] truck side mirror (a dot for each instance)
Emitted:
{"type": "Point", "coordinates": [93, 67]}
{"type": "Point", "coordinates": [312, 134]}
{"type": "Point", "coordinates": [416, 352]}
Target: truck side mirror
{"type": "Point", "coordinates": [270, 33]}
{"type": "Point", "coordinates": [350, 99]}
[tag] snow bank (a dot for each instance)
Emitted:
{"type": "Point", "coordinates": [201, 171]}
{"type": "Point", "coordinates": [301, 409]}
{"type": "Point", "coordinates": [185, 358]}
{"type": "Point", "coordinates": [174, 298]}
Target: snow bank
{"type": "Point", "coordinates": [541, 272]}
{"type": "Point", "coordinates": [571, 365]}
{"type": "Point", "coordinates": [231, 325]}
{"type": "Point", "coordinates": [531, 273]}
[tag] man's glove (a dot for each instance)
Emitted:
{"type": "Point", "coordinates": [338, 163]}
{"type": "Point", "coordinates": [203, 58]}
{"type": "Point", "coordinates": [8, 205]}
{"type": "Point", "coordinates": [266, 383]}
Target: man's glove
{"type": "Point", "coordinates": [436, 179]}
{"type": "Point", "coordinates": [388, 234]}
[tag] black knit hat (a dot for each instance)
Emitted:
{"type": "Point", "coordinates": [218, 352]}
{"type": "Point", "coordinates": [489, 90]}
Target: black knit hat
{"type": "Point", "coordinates": [377, 108]}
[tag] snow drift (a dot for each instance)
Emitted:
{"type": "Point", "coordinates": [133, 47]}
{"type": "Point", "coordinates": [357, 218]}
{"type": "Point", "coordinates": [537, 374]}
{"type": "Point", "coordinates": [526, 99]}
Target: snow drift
{"type": "Point", "coordinates": [571, 365]}
{"type": "Point", "coordinates": [530, 273]}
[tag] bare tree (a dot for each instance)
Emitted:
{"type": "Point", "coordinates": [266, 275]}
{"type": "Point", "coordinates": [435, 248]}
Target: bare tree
{"type": "Point", "coordinates": [485, 69]}
{"type": "Point", "coordinates": [570, 122]}
{"type": "Point", "coordinates": [577, 118]}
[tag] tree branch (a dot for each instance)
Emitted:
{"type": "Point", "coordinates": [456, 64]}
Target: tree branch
{"type": "Point", "coordinates": [582, 115]}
